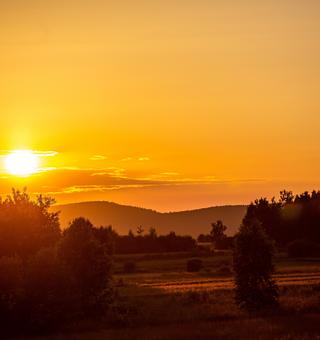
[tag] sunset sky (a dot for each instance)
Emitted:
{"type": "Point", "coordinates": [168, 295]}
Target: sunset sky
{"type": "Point", "coordinates": [171, 104]}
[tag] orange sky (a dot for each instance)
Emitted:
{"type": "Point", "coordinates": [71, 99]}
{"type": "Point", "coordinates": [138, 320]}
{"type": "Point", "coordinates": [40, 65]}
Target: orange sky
{"type": "Point", "coordinates": [165, 104]}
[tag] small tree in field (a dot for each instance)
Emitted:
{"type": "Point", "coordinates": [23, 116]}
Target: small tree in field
{"type": "Point", "coordinates": [253, 268]}
{"type": "Point", "coordinates": [218, 234]}
{"type": "Point", "coordinates": [140, 230]}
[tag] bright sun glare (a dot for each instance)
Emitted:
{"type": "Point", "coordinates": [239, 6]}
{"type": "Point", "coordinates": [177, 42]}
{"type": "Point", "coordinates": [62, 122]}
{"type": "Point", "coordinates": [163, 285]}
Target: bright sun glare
{"type": "Point", "coordinates": [22, 163]}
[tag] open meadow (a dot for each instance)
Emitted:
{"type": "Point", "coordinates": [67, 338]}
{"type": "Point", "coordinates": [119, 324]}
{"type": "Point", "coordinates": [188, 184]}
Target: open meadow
{"type": "Point", "coordinates": [161, 300]}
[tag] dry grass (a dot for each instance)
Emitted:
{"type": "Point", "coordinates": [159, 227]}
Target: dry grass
{"type": "Point", "coordinates": [306, 327]}
{"type": "Point", "coordinates": [173, 304]}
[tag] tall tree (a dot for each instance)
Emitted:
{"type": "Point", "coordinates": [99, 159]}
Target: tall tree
{"type": "Point", "coordinates": [87, 258]}
{"type": "Point", "coordinates": [27, 225]}
{"type": "Point", "coordinates": [253, 267]}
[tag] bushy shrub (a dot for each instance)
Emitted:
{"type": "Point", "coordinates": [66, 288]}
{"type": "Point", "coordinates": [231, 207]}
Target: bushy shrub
{"type": "Point", "coordinates": [51, 295]}
{"type": "Point", "coordinates": [86, 259]}
{"type": "Point", "coordinates": [11, 293]}
{"type": "Point", "coordinates": [129, 267]}
{"type": "Point", "coordinates": [194, 265]}
{"type": "Point", "coordinates": [253, 268]}
{"type": "Point", "coordinates": [303, 248]}
{"type": "Point", "coordinates": [38, 295]}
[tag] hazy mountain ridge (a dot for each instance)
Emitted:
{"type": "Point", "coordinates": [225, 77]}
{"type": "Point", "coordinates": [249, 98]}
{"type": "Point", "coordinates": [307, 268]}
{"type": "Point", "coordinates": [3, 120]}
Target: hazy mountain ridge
{"type": "Point", "coordinates": [125, 217]}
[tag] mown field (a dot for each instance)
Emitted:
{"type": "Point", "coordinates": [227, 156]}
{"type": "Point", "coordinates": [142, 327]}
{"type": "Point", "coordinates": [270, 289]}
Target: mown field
{"type": "Point", "coordinates": [161, 300]}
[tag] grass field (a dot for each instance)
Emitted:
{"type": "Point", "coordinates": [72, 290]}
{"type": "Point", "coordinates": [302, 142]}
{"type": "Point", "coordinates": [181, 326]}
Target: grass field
{"type": "Point", "coordinates": [160, 300]}
{"type": "Point", "coordinates": [159, 274]}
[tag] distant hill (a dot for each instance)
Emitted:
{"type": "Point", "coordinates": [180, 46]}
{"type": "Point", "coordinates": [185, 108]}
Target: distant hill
{"type": "Point", "coordinates": [123, 217]}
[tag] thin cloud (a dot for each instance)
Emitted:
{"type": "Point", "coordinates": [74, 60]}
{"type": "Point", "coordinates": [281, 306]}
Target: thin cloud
{"type": "Point", "coordinates": [40, 153]}
{"type": "Point", "coordinates": [126, 159]}
{"type": "Point", "coordinates": [98, 158]}
{"type": "Point", "coordinates": [45, 153]}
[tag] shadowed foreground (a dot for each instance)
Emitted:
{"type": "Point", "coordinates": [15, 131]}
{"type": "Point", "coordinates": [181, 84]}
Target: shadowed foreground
{"type": "Point", "coordinates": [297, 327]}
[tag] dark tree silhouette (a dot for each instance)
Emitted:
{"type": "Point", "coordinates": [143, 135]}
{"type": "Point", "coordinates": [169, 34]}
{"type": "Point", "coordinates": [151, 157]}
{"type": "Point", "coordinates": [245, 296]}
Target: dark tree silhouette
{"type": "Point", "coordinates": [152, 243]}
{"type": "Point", "coordinates": [140, 230]}
{"type": "Point", "coordinates": [87, 258]}
{"type": "Point", "coordinates": [48, 279]}
{"type": "Point", "coordinates": [255, 288]}
{"type": "Point", "coordinates": [218, 233]}
{"type": "Point", "coordinates": [289, 219]}
{"type": "Point", "coordinates": [152, 233]}
{"type": "Point", "coordinates": [27, 225]}
{"type": "Point", "coordinates": [202, 238]}
{"type": "Point", "coordinates": [286, 197]}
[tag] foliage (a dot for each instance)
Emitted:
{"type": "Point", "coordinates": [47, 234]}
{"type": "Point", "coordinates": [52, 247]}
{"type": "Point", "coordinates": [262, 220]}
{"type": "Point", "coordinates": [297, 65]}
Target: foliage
{"type": "Point", "coordinates": [11, 277]}
{"type": "Point", "coordinates": [26, 225]}
{"type": "Point", "coordinates": [253, 268]}
{"type": "Point", "coordinates": [58, 278]}
{"type": "Point", "coordinates": [86, 257]}
{"type": "Point", "coordinates": [152, 243]}
{"type": "Point", "coordinates": [218, 235]}
{"type": "Point", "coordinates": [202, 238]}
{"type": "Point", "coordinates": [50, 291]}
{"type": "Point", "coordinates": [288, 219]}
{"type": "Point", "coordinates": [140, 230]}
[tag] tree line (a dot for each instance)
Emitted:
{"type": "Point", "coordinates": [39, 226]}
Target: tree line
{"type": "Point", "coordinates": [292, 222]}
{"type": "Point", "coordinates": [290, 218]}
{"type": "Point", "coordinates": [151, 242]}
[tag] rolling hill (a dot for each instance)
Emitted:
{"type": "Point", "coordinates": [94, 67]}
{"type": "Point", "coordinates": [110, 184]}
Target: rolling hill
{"type": "Point", "coordinates": [123, 217]}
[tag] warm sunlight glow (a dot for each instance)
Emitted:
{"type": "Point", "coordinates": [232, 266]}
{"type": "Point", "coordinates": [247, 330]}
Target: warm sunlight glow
{"type": "Point", "coordinates": [22, 163]}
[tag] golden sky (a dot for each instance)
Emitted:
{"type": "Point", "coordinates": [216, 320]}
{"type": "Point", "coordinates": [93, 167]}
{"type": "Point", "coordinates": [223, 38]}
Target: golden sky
{"type": "Point", "coordinates": [169, 104]}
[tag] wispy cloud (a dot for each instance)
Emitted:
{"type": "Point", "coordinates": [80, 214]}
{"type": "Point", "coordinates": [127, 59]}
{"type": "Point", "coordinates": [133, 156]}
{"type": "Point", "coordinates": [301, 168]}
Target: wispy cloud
{"type": "Point", "coordinates": [45, 153]}
{"type": "Point", "coordinates": [126, 159]}
{"type": "Point", "coordinates": [110, 171]}
{"type": "Point", "coordinates": [169, 173]}
{"type": "Point", "coordinates": [140, 159]}
{"type": "Point", "coordinates": [39, 153]}
{"type": "Point", "coordinates": [97, 158]}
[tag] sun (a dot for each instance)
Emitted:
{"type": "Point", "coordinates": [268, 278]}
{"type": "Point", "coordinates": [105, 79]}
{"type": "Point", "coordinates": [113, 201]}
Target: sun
{"type": "Point", "coordinates": [22, 163]}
